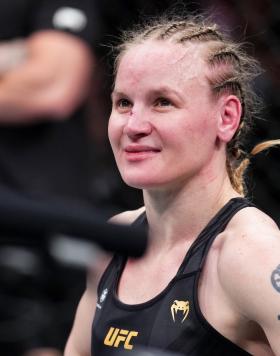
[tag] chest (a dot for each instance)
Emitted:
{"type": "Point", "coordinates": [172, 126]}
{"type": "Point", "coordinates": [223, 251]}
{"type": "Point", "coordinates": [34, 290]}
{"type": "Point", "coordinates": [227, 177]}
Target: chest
{"type": "Point", "coordinates": [142, 280]}
{"type": "Point", "coordinates": [171, 320]}
{"type": "Point", "coordinates": [144, 283]}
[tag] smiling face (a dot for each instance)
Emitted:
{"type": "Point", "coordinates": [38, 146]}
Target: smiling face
{"type": "Point", "coordinates": [163, 125]}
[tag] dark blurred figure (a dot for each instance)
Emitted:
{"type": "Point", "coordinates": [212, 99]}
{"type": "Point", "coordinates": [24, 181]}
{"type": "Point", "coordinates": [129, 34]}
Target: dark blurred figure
{"type": "Point", "coordinates": [46, 64]}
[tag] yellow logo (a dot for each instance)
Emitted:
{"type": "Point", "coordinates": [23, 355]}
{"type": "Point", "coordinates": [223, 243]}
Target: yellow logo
{"type": "Point", "coordinates": [180, 305]}
{"type": "Point", "coordinates": [116, 336]}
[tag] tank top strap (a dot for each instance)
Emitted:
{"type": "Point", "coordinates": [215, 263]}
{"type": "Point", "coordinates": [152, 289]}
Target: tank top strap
{"type": "Point", "coordinates": [111, 273]}
{"type": "Point", "coordinates": [115, 266]}
{"type": "Point", "coordinates": [197, 253]}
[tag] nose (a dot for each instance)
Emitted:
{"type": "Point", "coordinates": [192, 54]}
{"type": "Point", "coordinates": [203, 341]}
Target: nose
{"type": "Point", "coordinates": [137, 126]}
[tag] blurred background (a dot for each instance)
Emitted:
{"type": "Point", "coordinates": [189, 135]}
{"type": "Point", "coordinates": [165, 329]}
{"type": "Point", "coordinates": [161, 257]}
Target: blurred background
{"type": "Point", "coordinates": [53, 138]}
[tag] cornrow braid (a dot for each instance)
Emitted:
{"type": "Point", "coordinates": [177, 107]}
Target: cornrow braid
{"type": "Point", "coordinates": [230, 71]}
{"type": "Point", "coordinates": [228, 74]}
{"type": "Point", "coordinates": [242, 162]}
{"type": "Point", "coordinates": [204, 35]}
{"type": "Point", "coordinates": [232, 85]}
{"type": "Point", "coordinates": [172, 29]}
{"type": "Point", "coordinates": [224, 55]}
{"type": "Point", "coordinates": [152, 30]}
{"type": "Point", "coordinates": [237, 175]}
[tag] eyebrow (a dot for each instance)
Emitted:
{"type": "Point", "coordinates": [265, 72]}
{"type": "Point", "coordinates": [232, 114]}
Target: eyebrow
{"type": "Point", "coordinates": [163, 90]}
{"type": "Point", "coordinates": [117, 93]}
{"type": "Point", "coordinates": [166, 90]}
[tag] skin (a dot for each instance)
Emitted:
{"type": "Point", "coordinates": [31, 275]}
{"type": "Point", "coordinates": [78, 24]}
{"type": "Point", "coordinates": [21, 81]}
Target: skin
{"type": "Point", "coordinates": [169, 137]}
{"type": "Point", "coordinates": [160, 110]}
{"type": "Point", "coordinates": [45, 75]}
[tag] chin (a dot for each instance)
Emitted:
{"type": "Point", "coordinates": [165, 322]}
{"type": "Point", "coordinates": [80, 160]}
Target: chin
{"type": "Point", "coordinates": [142, 182]}
{"type": "Point", "coordinates": [138, 184]}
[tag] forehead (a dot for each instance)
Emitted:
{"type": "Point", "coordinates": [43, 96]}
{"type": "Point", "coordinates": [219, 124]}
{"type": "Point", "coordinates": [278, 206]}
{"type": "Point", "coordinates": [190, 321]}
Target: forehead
{"type": "Point", "coordinates": [162, 61]}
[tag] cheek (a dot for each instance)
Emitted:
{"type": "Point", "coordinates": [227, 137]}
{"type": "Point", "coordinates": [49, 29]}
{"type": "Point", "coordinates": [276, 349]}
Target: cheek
{"type": "Point", "coordinates": [202, 129]}
{"type": "Point", "coordinates": [204, 126]}
{"type": "Point", "coordinates": [197, 138]}
{"type": "Point", "coordinates": [114, 131]}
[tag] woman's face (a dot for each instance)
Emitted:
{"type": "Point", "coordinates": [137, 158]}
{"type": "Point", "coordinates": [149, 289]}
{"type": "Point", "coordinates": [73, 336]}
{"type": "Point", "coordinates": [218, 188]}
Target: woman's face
{"type": "Point", "coordinates": [164, 120]}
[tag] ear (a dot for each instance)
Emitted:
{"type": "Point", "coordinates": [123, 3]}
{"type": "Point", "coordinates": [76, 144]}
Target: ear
{"type": "Point", "coordinates": [230, 114]}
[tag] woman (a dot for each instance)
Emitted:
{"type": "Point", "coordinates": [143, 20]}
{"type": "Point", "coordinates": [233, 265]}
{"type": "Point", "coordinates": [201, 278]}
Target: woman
{"type": "Point", "coordinates": [209, 283]}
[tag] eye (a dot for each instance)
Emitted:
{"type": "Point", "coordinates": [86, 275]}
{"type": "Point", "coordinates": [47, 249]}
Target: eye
{"type": "Point", "coordinates": [163, 102]}
{"type": "Point", "coordinates": [123, 104]}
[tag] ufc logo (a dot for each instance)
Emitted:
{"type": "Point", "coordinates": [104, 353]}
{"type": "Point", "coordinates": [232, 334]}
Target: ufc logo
{"type": "Point", "coordinates": [117, 336]}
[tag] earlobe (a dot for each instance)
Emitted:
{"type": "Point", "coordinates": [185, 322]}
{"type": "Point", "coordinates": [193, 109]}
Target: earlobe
{"type": "Point", "coordinates": [229, 117]}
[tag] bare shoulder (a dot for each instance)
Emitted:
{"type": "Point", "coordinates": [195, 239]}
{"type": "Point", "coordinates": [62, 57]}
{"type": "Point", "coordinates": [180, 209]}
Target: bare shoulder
{"type": "Point", "coordinates": [127, 217]}
{"type": "Point", "coordinates": [248, 255]}
{"type": "Point", "coordinates": [250, 236]}
{"type": "Point", "coordinates": [251, 228]}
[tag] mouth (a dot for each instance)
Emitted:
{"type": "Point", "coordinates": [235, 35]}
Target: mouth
{"type": "Point", "coordinates": [137, 153]}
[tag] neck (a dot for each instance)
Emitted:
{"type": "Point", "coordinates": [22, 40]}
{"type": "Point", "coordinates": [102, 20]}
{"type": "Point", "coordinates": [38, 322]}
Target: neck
{"type": "Point", "coordinates": [180, 213]}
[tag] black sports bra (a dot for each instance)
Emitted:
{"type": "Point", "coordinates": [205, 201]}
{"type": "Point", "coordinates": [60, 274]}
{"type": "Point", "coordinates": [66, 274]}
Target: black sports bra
{"type": "Point", "coordinates": [172, 320]}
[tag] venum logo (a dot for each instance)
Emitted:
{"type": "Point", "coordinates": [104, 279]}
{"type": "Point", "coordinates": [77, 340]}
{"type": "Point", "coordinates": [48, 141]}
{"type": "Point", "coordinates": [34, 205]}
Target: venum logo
{"type": "Point", "coordinates": [102, 298]}
{"type": "Point", "coordinates": [103, 295]}
{"type": "Point", "coordinates": [116, 337]}
{"type": "Point", "coordinates": [183, 307]}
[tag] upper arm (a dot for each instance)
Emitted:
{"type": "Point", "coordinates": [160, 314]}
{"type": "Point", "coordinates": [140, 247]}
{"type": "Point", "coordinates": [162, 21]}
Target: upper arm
{"type": "Point", "coordinates": [248, 271]}
{"type": "Point", "coordinates": [67, 62]}
{"type": "Point", "coordinates": [262, 302]}
{"type": "Point", "coordinates": [52, 80]}
{"type": "Point", "coordinates": [79, 341]}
